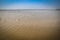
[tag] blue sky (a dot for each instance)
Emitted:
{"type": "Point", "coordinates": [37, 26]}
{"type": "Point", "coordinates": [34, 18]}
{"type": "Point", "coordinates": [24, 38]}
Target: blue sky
{"type": "Point", "coordinates": [29, 4]}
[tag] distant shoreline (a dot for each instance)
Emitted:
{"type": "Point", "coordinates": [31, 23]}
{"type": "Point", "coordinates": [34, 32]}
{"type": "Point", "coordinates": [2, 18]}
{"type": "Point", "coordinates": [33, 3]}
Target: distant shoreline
{"type": "Point", "coordinates": [28, 9]}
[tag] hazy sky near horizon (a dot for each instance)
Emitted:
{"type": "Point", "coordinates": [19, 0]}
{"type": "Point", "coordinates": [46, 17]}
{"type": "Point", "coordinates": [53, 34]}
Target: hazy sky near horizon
{"type": "Point", "coordinates": [29, 4]}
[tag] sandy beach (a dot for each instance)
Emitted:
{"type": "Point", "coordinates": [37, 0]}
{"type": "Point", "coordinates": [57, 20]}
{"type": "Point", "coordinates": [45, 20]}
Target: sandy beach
{"type": "Point", "coordinates": [28, 24]}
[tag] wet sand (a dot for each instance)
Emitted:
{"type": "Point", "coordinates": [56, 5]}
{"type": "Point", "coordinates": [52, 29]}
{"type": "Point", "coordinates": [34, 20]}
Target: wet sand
{"type": "Point", "coordinates": [28, 25]}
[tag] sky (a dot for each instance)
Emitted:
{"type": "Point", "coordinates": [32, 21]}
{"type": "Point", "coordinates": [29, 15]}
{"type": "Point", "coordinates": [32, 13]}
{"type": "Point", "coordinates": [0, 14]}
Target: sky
{"type": "Point", "coordinates": [29, 4]}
